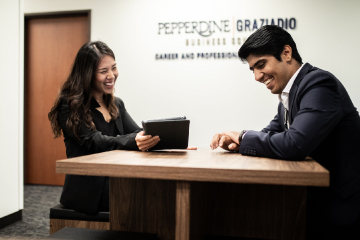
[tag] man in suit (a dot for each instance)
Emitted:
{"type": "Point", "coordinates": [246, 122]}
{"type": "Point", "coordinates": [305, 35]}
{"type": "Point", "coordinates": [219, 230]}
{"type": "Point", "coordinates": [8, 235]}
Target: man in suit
{"type": "Point", "coordinates": [316, 118]}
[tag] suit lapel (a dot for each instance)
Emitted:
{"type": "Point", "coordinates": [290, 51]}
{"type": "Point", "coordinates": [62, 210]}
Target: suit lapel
{"type": "Point", "coordinates": [281, 114]}
{"type": "Point", "coordinates": [305, 69]}
{"type": "Point", "coordinates": [118, 121]}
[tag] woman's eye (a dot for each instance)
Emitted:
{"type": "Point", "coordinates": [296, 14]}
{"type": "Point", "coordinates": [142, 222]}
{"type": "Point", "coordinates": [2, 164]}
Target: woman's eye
{"type": "Point", "coordinates": [103, 72]}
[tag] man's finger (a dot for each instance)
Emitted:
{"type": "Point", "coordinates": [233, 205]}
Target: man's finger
{"type": "Point", "coordinates": [215, 141]}
{"type": "Point", "coordinates": [233, 135]}
{"type": "Point", "coordinates": [222, 140]}
{"type": "Point", "coordinates": [232, 146]}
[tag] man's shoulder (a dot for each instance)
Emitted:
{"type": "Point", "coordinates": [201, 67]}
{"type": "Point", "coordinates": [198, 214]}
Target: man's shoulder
{"type": "Point", "coordinates": [314, 72]}
{"type": "Point", "coordinates": [315, 75]}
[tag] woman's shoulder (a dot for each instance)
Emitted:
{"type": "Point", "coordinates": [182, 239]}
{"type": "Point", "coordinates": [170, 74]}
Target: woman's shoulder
{"type": "Point", "coordinates": [119, 102]}
{"type": "Point", "coordinates": [63, 106]}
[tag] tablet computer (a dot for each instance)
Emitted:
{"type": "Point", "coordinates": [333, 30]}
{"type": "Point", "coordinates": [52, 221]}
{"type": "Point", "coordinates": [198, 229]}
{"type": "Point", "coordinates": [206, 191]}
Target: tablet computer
{"type": "Point", "coordinates": [173, 132]}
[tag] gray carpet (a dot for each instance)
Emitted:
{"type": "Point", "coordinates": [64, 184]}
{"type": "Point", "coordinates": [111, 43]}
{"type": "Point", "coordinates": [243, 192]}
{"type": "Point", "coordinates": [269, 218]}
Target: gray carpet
{"type": "Point", "coordinates": [35, 223]}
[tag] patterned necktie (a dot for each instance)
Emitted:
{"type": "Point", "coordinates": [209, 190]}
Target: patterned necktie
{"type": "Point", "coordinates": [286, 119]}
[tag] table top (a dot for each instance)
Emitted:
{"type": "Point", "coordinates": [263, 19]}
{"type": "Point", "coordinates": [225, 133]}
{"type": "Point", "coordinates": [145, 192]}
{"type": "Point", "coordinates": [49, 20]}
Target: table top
{"type": "Point", "coordinates": [197, 165]}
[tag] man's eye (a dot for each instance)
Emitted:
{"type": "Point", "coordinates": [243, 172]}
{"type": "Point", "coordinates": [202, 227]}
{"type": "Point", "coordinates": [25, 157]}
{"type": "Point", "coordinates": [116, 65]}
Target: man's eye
{"type": "Point", "coordinates": [114, 68]}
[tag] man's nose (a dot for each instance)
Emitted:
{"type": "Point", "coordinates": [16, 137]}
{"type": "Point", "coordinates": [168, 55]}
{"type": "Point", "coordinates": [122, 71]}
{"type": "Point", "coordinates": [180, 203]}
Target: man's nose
{"type": "Point", "coordinates": [258, 75]}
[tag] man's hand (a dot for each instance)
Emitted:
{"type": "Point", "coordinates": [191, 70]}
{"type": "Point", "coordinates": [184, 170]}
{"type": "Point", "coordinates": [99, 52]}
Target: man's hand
{"type": "Point", "coordinates": [233, 135]}
{"type": "Point", "coordinates": [146, 142]}
{"type": "Point", "coordinates": [225, 142]}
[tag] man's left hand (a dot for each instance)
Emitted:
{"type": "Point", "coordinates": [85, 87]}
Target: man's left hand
{"type": "Point", "coordinates": [224, 141]}
{"type": "Point", "coordinates": [233, 135]}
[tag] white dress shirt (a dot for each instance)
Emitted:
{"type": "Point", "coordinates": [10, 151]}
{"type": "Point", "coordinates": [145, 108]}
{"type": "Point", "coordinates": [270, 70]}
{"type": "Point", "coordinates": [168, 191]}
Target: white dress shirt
{"type": "Point", "coordinates": [284, 96]}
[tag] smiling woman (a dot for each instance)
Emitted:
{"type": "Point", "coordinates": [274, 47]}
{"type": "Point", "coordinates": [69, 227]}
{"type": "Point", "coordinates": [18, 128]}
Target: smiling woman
{"type": "Point", "coordinates": [92, 120]}
{"type": "Point", "coordinates": [104, 83]}
{"type": "Point", "coordinates": [105, 77]}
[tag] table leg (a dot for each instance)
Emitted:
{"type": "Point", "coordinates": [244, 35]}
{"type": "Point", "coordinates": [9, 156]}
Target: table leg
{"type": "Point", "coordinates": [247, 211]}
{"type": "Point", "coordinates": [182, 228]}
{"type": "Point", "coordinates": [143, 205]}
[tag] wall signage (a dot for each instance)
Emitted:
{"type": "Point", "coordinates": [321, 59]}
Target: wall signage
{"type": "Point", "coordinates": [215, 33]}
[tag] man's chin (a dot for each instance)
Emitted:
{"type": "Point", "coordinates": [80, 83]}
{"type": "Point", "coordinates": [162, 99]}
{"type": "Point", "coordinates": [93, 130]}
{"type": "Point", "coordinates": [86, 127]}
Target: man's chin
{"type": "Point", "coordinates": [274, 91]}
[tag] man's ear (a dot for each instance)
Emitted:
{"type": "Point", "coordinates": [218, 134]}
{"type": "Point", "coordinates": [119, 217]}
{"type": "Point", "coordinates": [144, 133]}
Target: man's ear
{"type": "Point", "coordinates": [286, 54]}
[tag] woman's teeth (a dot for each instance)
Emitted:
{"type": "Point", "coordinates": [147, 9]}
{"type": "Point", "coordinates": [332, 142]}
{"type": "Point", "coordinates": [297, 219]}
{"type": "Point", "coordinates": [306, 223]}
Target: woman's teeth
{"type": "Point", "coordinates": [109, 84]}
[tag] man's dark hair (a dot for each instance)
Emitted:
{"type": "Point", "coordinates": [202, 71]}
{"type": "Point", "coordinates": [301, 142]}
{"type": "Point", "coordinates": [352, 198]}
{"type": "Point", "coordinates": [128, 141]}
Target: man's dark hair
{"type": "Point", "coordinates": [268, 40]}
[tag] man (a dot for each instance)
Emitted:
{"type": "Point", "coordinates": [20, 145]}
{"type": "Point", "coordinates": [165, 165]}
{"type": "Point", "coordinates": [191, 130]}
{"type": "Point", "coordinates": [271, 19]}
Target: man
{"type": "Point", "coordinates": [315, 118]}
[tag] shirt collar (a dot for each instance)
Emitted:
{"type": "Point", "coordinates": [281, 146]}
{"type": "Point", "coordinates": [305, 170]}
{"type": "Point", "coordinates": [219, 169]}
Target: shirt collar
{"type": "Point", "coordinates": [94, 103]}
{"type": "Point", "coordinates": [292, 79]}
{"type": "Point", "coordinates": [283, 97]}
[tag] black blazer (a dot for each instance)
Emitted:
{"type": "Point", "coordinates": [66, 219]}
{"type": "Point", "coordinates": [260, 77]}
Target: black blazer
{"type": "Point", "coordinates": [324, 124]}
{"type": "Point", "coordinates": [83, 193]}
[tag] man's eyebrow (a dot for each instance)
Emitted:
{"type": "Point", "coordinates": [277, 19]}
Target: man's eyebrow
{"type": "Point", "coordinates": [257, 63]}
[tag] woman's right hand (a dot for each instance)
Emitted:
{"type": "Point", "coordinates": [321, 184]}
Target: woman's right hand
{"type": "Point", "coordinates": [146, 142]}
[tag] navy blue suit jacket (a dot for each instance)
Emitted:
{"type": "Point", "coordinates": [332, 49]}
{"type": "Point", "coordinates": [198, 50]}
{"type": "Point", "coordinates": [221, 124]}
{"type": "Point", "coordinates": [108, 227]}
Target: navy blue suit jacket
{"type": "Point", "coordinates": [324, 124]}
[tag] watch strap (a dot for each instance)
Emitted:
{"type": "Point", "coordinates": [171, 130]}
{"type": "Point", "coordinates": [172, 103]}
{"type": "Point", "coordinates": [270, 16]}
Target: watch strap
{"type": "Point", "coordinates": [242, 135]}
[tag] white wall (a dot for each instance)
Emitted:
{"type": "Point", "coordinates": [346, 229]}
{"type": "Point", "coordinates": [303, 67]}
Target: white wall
{"type": "Point", "coordinates": [215, 94]}
{"type": "Point", "coordinates": [11, 108]}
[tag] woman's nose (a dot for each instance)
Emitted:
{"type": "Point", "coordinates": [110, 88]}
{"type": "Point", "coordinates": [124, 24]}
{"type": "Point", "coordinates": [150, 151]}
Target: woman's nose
{"type": "Point", "coordinates": [110, 75]}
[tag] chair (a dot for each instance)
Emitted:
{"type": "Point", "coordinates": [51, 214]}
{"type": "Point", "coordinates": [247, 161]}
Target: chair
{"type": "Point", "coordinates": [61, 217]}
{"type": "Point", "coordinates": [93, 234]}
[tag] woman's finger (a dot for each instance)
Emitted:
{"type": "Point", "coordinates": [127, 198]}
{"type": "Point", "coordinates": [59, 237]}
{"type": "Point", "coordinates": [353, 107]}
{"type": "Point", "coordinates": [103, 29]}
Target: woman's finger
{"type": "Point", "coordinates": [145, 145]}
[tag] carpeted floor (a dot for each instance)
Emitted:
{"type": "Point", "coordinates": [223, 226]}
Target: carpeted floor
{"type": "Point", "coordinates": [35, 223]}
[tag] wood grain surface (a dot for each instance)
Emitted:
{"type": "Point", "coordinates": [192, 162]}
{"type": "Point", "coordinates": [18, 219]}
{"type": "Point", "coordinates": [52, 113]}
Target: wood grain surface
{"type": "Point", "coordinates": [182, 227]}
{"type": "Point", "coordinates": [141, 205]}
{"type": "Point", "coordinates": [186, 195]}
{"type": "Point", "coordinates": [58, 224]}
{"type": "Point", "coordinates": [248, 211]}
{"type": "Point", "coordinates": [194, 210]}
{"type": "Point", "coordinates": [197, 165]}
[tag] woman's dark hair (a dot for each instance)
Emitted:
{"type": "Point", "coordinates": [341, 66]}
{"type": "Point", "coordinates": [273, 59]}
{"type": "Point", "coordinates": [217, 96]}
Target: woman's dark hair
{"type": "Point", "coordinates": [268, 40]}
{"type": "Point", "coordinates": [76, 90]}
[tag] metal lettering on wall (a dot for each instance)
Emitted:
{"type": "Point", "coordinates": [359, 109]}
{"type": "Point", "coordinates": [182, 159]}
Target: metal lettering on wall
{"type": "Point", "coordinates": [216, 33]}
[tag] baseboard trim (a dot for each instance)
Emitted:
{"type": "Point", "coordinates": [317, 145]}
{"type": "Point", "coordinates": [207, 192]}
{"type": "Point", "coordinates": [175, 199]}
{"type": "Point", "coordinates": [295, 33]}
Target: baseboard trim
{"type": "Point", "coordinates": [10, 219]}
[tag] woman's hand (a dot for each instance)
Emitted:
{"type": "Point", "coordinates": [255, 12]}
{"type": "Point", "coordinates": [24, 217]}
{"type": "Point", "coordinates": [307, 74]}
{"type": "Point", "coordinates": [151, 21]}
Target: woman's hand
{"type": "Point", "coordinates": [146, 142]}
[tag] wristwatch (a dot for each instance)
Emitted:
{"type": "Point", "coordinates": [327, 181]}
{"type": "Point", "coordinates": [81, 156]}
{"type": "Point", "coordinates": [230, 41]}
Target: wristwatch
{"type": "Point", "coordinates": [241, 135]}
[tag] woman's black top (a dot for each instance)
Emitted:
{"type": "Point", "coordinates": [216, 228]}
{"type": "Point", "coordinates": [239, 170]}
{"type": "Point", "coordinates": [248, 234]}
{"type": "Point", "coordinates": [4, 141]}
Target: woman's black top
{"type": "Point", "coordinates": [83, 193]}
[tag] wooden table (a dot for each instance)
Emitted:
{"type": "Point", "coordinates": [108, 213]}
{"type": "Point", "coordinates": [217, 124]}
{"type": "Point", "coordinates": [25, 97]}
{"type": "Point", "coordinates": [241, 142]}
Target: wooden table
{"type": "Point", "coordinates": [231, 194]}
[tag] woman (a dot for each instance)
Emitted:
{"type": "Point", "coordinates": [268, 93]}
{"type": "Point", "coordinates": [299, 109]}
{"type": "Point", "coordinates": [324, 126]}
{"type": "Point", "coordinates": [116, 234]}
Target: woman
{"type": "Point", "coordinates": [92, 120]}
